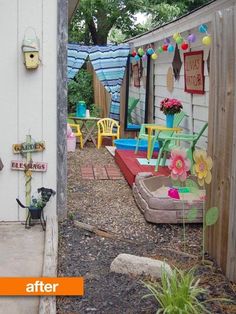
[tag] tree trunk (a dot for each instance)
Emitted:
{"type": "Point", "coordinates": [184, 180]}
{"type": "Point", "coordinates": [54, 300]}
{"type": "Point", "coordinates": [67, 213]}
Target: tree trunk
{"type": "Point", "coordinates": [92, 30]}
{"type": "Point", "coordinates": [102, 38]}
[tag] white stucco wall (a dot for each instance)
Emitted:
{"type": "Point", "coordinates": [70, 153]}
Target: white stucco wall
{"type": "Point", "coordinates": [27, 99]}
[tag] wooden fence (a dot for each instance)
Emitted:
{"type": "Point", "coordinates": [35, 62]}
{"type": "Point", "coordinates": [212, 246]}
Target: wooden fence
{"type": "Point", "coordinates": [101, 97]}
{"type": "Point", "coordinates": [221, 238]}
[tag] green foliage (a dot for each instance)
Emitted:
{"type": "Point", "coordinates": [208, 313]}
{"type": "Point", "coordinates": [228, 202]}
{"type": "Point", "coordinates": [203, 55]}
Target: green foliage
{"type": "Point", "coordinates": [71, 216]}
{"type": "Point", "coordinates": [95, 110]}
{"type": "Point", "coordinates": [95, 18]}
{"type": "Point", "coordinates": [116, 36]}
{"type": "Point", "coordinates": [177, 293]}
{"type": "Point", "coordinates": [163, 11]}
{"type": "Point", "coordinates": [81, 88]}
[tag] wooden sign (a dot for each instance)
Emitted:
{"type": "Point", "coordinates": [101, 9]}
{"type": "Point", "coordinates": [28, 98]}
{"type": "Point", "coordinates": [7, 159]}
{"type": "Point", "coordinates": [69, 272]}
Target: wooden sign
{"type": "Point", "coordinates": [28, 165]}
{"type": "Point", "coordinates": [28, 147]}
{"type": "Point", "coordinates": [33, 166]}
{"type": "Point", "coordinates": [194, 72]}
{"type": "Point", "coordinates": [170, 80]}
{"type": "Point", "coordinates": [136, 75]}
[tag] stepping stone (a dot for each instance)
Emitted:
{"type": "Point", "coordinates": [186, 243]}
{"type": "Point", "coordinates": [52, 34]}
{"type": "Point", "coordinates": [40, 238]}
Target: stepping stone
{"type": "Point", "coordinates": [100, 173]}
{"type": "Point", "coordinates": [87, 172]}
{"type": "Point", "coordinates": [137, 266]}
{"type": "Point", "coordinates": [113, 173]}
{"type": "Point", "coordinates": [108, 172]}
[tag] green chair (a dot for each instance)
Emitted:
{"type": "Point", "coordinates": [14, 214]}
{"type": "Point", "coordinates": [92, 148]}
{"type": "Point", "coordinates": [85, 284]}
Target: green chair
{"type": "Point", "coordinates": [143, 135]}
{"type": "Point", "coordinates": [170, 142]}
{"type": "Point", "coordinates": [132, 103]}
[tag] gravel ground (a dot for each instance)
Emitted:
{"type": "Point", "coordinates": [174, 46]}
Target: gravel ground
{"type": "Point", "coordinates": [109, 205]}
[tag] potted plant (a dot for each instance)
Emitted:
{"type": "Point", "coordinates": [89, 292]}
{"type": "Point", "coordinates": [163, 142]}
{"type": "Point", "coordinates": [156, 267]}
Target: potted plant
{"type": "Point", "coordinates": [170, 106]}
{"type": "Point", "coordinates": [36, 207]}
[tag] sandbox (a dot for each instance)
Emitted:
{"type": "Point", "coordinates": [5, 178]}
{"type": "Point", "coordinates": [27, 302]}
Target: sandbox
{"type": "Point", "coordinates": [151, 195]}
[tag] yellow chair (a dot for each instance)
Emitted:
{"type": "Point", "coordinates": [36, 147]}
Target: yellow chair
{"type": "Point", "coordinates": [107, 127]}
{"type": "Point", "coordinates": [76, 130]}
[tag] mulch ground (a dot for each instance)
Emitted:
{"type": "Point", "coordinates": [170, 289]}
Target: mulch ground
{"type": "Point", "coordinates": [108, 204]}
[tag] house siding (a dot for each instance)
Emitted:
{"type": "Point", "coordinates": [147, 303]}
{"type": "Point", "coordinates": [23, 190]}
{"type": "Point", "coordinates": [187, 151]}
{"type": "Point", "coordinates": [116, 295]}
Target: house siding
{"type": "Point", "coordinates": [28, 98]}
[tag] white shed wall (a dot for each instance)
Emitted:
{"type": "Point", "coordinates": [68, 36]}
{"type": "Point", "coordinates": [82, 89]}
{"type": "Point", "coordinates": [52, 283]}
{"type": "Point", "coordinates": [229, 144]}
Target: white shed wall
{"type": "Point", "coordinates": [28, 99]}
{"type": "Point", "coordinates": [195, 106]}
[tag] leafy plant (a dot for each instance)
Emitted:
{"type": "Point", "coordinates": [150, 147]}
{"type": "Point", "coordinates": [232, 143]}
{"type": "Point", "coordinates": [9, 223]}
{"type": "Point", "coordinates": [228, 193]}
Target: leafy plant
{"type": "Point", "coordinates": [36, 201]}
{"type": "Point", "coordinates": [95, 110]}
{"type": "Point", "coordinates": [81, 88]}
{"type": "Point", "coordinates": [71, 216]}
{"type": "Point", "coordinates": [177, 293]}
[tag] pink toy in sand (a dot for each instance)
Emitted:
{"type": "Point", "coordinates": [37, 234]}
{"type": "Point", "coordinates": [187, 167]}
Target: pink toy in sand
{"type": "Point", "coordinates": [173, 193]}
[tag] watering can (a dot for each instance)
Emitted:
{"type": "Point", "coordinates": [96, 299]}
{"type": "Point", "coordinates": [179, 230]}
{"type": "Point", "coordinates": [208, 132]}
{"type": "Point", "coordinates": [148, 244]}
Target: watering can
{"type": "Point", "coordinates": [81, 109]}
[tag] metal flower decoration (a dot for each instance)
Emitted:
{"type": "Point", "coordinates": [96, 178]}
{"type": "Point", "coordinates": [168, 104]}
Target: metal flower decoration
{"type": "Point", "coordinates": [202, 166]}
{"type": "Point", "coordinates": [179, 164]}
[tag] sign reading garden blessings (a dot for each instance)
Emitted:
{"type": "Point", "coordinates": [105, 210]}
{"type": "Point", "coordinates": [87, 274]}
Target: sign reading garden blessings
{"type": "Point", "coordinates": [194, 72]}
{"type": "Point", "coordinates": [33, 166]}
{"type": "Point", "coordinates": [28, 165]}
{"type": "Point", "coordinates": [28, 147]}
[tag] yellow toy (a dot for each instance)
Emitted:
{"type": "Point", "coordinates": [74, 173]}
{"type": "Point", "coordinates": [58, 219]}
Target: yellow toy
{"type": "Point", "coordinates": [107, 127]}
{"type": "Point", "coordinates": [76, 130]}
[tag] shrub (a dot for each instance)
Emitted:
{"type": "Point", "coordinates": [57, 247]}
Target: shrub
{"type": "Point", "coordinates": [80, 88]}
{"type": "Point", "coordinates": [95, 110]}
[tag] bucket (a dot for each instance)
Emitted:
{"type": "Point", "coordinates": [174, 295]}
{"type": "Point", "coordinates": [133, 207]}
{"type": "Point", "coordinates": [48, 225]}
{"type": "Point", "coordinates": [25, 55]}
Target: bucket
{"type": "Point", "coordinates": [87, 113]}
{"type": "Point", "coordinates": [169, 120]}
{"type": "Point", "coordinates": [81, 109]}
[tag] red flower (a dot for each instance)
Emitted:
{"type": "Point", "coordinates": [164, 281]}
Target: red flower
{"type": "Point", "coordinates": [171, 106]}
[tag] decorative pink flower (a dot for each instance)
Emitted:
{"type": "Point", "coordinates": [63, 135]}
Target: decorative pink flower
{"type": "Point", "coordinates": [171, 106]}
{"type": "Point", "coordinates": [179, 164]}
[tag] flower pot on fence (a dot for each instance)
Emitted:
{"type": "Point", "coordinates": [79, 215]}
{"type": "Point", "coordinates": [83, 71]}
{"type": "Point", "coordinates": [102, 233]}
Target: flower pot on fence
{"type": "Point", "coordinates": [169, 120]}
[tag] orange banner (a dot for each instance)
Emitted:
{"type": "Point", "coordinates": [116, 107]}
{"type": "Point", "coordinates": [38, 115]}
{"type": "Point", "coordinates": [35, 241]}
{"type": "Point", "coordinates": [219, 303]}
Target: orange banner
{"type": "Point", "coordinates": [41, 286]}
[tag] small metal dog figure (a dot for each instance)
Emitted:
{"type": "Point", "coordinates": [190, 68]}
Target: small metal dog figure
{"type": "Point", "coordinates": [35, 210]}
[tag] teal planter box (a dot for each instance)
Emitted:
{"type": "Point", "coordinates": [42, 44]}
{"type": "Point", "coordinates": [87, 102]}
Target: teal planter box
{"type": "Point", "coordinates": [81, 109]}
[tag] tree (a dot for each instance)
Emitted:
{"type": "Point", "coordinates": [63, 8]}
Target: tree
{"type": "Point", "coordinates": [163, 11]}
{"type": "Point", "coordinates": [94, 19]}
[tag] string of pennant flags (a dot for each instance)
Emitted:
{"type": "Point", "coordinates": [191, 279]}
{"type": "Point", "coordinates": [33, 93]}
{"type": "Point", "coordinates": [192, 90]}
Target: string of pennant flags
{"type": "Point", "coordinates": [168, 46]}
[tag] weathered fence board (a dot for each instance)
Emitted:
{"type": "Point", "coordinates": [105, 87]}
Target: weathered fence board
{"type": "Point", "coordinates": [221, 238]}
{"type": "Point", "coordinates": [101, 97]}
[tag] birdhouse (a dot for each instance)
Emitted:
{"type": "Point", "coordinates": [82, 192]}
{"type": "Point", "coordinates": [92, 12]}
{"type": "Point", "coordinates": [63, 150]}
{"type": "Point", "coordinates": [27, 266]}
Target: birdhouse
{"type": "Point", "coordinates": [30, 48]}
